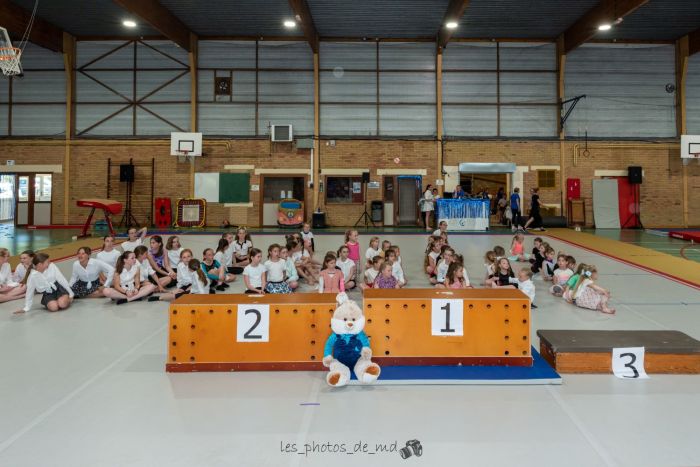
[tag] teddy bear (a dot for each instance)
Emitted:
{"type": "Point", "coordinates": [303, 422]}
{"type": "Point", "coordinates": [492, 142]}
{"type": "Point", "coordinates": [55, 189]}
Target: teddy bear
{"type": "Point", "coordinates": [348, 346]}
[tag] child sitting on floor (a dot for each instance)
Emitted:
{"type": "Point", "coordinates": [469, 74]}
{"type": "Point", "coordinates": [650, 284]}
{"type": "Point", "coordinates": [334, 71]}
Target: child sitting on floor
{"type": "Point", "coordinates": [524, 283]}
{"type": "Point", "coordinates": [499, 251]}
{"type": "Point", "coordinates": [385, 279]}
{"type": "Point", "coordinates": [490, 265]}
{"type": "Point", "coordinates": [331, 278]}
{"type": "Point", "coordinates": [456, 277]}
{"type": "Point", "coordinates": [517, 248]}
{"type": "Point", "coordinates": [587, 294]}
{"type": "Point", "coordinates": [561, 275]}
{"type": "Point", "coordinates": [503, 275]}
{"type": "Point", "coordinates": [548, 264]}
{"type": "Point", "coordinates": [372, 251]}
{"type": "Point", "coordinates": [537, 256]}
{"type": "Point", "coordinates": [371, 273]}
{"type": "Point", "coordinates": [571, 283]}
{"type": "Point", "coordinates": [290, 269]}
{"type": "Point", "coordinates": [396, 268]}
{"type": "Point", "coordinates": [431, 257]}
{"type": "Point", "coordinates": [348, 266]}
{"type": "Point", "coordinates": [443, 266]}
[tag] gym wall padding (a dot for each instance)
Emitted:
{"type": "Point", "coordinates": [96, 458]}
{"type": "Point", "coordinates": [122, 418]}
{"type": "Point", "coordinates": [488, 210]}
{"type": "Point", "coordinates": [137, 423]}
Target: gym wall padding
{"type": "Point", "coordinates": [206, 186]}
{"type": "Point", "coordinates": [234, 188]}
{"type": "Point", "coordinates": [606, 205]}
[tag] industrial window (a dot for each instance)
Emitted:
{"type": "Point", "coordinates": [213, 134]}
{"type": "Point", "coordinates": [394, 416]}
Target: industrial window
{"type": "Point", "coordinates": [547, 178]}
{"type": "Point", "coordinates": [344, 189]}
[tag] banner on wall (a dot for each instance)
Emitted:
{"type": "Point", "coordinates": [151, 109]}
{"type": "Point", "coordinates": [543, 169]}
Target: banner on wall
{"type": "Point", "coordinates": [606, 204]}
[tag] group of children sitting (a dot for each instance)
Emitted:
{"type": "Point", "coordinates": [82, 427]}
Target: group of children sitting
{"type": "Point", "coordinates": [576, 284]}
{"type": "Point", "coordinates": [164, 271]}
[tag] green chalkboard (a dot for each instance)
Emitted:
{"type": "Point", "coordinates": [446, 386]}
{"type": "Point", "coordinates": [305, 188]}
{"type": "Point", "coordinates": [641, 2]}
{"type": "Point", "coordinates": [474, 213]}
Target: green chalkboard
{"type": "Point", "coordinates": [234, 188]}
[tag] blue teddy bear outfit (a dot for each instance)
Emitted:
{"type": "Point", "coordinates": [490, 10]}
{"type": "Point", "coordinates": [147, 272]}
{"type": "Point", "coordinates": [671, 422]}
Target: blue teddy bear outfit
{"type": "Point", "coordinates": [346, 348]}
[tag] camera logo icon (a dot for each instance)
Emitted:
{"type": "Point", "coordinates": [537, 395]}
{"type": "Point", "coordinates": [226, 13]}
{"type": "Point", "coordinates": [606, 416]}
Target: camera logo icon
{"type": "Point", "coordinates": [413, 447]}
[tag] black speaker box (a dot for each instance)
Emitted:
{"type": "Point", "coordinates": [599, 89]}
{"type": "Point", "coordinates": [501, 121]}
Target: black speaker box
{"type": "Point", "coordinates": [126, 173]}
{"type": "Point", "coordinates": [365, 177]}
{"type": "Point", "coordinates": [634, 174]}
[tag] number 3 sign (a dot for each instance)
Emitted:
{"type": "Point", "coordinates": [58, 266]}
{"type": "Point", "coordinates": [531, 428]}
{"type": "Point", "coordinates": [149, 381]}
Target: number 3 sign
{"type": "Point", "coordinates": [447, 317]}
{"type": "Point", "coordinates": [628, 363]}
{"type": "Point", "coordinates": [253, 323]}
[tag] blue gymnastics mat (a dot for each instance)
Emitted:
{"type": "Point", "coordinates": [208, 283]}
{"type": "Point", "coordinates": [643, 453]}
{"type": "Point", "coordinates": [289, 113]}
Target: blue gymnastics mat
{"type": "Point", "coordinates": [539, 373]}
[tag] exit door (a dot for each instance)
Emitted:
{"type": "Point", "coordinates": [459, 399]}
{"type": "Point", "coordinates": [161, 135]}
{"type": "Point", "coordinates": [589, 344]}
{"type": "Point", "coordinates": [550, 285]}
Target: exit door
{"type": "Point", "coordinates": [33, 195]}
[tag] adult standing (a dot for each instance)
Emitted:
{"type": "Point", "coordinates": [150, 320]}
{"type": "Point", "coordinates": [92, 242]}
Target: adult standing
{"type": "Point", "coordinates": [499, 195]}
{"type": "Point", "coordinates": [427, 206]}
{"type": "Point", "coordinates": [515, 209]}
{"type": "Point", "coordinates": [535, 217]}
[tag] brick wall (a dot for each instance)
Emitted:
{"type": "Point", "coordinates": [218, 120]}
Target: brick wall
{"type": "Point", "coordinates": [661, 193]}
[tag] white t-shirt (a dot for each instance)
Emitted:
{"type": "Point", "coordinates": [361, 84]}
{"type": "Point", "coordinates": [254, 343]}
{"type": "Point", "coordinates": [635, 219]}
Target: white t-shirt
{"type": "Point", "coordinates": [526, 287]}
{"type": "Point", "coordinates": [43, 282]}
{"type": "Point", "coordinates": [20, 272]}
{"type": "Point", "coordinates": [371, 253]}
{"type": "Point", "coordinates": [241, 250]}
{"type": "Point", "coordinates": [174, 257]}
{"type": "Point", "coordinates": [91, 273]}
{"type": "Point", "coordinates": [131, 246]}
{"type": "Point", "coordinates": [6, 276]}
{"type": "Point", "coordinates": [437, 233]}
{"type": "Point", "coordinates": [198, 287]}
{"type": "Point", "coordinates": [434, 255]}
{"type": "Point", "coordinates": [370, 275]}
{"type": "Point", "coordinates": [561, 276]}
{"type": "Point", "coordinates": [127, 277]}
{"type": "Point", "coordinates": [184, 276]}
{"type": "Point", "coordinates": [220, 256]}
{"type": "Point", "coordinates": [397, 272]}
{"type": "Point", "coordinates": [254, 274]}
{"type": "Point", "coordinates": [296, 256]}
{"type": "Point", "coordinates": [109, 257]}
{"type": "Point", "coordinates": [442, 271]}
{"type": "Point", "coordinates": [346, 266]}
{"type": "Point", "coordinates": [146, 269]}
{"type": "Point", "coordinates": [275, 270]}
{"type": "Point", "coordinates": [292, 274]}
{"type": "Point", "coordinates": [307, 235]}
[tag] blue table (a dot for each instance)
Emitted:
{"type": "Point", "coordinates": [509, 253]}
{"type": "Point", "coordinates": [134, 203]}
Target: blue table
{"type": "Point", "coordinates": [464, 214]}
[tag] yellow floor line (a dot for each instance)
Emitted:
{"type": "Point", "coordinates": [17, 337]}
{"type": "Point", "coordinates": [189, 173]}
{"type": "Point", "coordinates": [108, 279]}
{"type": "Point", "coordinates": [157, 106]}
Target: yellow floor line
{"type": "Point", "coordinates": [678, 268]}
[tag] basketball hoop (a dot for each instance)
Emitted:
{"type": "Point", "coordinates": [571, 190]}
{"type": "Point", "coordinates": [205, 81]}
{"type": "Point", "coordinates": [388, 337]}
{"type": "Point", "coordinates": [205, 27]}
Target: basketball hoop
{"type": "Point", "coordinates": [10, 61]}
{"type": "Point", "coordinates": [183, 156]}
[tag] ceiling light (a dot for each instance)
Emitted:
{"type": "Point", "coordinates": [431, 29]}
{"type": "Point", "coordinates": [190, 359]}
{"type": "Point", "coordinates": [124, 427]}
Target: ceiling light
{"type": "Point", "coordinates": [605, 27]}
{"type": "Point", "coordinates": [451, 25]}
{"type": "Point", "coordinates": [289, 23]}
{"type": "Point", "coordinates": [129, 24]}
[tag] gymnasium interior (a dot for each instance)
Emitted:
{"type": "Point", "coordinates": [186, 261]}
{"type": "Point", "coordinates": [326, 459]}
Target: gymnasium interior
{"type": "Point", "coordinates": [394, 146]}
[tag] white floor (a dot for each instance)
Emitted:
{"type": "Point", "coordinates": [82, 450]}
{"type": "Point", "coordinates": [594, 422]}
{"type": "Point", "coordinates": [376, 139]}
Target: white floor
{"type": "Point", "coordinates": [86, 387]}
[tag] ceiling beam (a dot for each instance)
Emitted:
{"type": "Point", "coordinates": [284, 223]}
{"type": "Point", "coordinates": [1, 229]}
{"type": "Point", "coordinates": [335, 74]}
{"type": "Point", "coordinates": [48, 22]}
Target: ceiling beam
{"type": "Point", "coordinates": [302, 14]}
{"type": "Point", "coordinates": [454, 12]}
{"type": "Point", "coordinates": [694, 42]}
{"type": "Point", "coordinates": [15, 19]}
{"type": "Point", "coordinates": [155, 14]}
{"type": "Point", "coordinates": [607, 11]}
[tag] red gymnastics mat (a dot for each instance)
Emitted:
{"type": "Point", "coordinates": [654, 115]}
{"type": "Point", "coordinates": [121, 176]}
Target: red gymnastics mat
{"type": "Point", "coordinates": [690, 235]}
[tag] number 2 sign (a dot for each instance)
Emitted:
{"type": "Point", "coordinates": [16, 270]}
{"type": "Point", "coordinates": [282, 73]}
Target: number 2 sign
{"type": "Point", "coordinates": [253, 324]}
{"type": "Point", "coordinates": [447, 317]}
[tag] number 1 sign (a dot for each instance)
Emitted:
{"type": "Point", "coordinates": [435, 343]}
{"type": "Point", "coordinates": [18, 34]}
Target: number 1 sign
{"type": "Point", "coordinates": [447, 317]}
{"type": "Point", "coordinates": [253, 324]}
